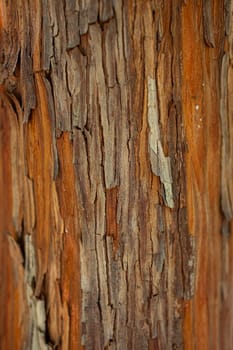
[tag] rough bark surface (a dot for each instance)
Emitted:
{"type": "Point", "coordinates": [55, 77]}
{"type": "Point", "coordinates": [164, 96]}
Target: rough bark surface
{"type": "Point", "coordinates": [116, 167]}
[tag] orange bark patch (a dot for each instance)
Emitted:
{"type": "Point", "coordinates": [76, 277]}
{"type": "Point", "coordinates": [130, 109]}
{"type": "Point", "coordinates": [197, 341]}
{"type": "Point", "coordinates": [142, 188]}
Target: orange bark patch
{"type": "Point", "coordinates": [71, 292]}
{"type": "Point", "coordinates": [200, 96]}
{"type": "Point", "coordinates": [6, 211]}
{"type": "Point", "coordinates": [192, 108]}
{"type": "Point", "coordinates": [13, 315]}
{"type": "Point", "coordinates": [40, 170]}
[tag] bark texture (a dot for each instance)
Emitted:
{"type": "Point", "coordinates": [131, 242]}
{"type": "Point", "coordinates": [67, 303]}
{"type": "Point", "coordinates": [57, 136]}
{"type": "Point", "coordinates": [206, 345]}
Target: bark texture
{"type": "Point", "coordinates": [116, 167]}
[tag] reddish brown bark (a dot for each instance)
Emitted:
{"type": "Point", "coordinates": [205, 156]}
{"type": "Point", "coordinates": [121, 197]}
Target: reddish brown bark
{"type": "Point", "coordinates": [116, 171]}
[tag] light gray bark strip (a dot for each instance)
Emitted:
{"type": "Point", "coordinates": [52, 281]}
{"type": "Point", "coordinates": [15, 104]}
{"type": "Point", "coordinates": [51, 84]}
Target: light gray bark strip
{"type": "Point", "coordinates": [160, 164]}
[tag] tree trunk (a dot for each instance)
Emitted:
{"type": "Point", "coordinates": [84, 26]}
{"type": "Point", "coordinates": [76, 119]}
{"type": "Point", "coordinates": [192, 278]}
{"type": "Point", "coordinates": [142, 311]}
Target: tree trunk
{"type": "Point", "coordinates": [116, 167]}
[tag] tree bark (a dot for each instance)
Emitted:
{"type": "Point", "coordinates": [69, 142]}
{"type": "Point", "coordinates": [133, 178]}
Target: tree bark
{"type": "Point", "coordinates": [116, 167]}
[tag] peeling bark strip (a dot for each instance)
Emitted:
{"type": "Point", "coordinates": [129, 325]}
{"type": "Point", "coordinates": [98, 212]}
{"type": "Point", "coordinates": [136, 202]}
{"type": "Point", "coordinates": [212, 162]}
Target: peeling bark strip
{"type": "Point", "coordinates": [208, 23]}
{"type": "Point", "coordinates": [37, 314]}
{"type": "Point", "coordinates": [159, 163]}
{"type": "Point", "coordinates": [112, 113]}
